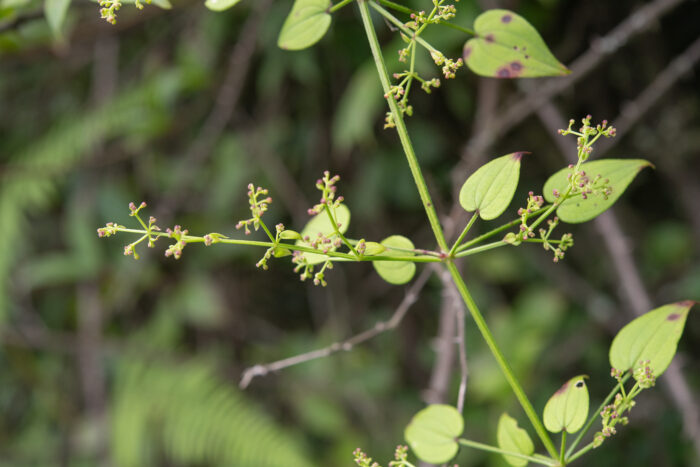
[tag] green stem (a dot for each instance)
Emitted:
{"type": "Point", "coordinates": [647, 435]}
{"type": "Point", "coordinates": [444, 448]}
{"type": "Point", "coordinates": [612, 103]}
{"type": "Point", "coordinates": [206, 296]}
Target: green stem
{"type": "Point", "coordinates": [464, 233]}
{"type": "Point", "coordinates": [493, 232]}
{"type": "Point", "coordinates": [397, 7]}
{"type": "Point", "coordinates": [267, 231]}
{"type": "Point", "coordinates": [337, 231]}
{"type": "Point", "coordinates": [304, 249]}
{"type": "Point", "coordinates": [401, 127]}
{"type": "Point", "coordinates": [338, 6]}
{"type": "Point", "coordinates": [593, 417]}
{"type": "Point", "coordinates": [562, 451]}
{"type": "Point", "coordinates": [583, 451]}
{"type": "Point", "coordinates": [479, 249]}
{"type": "Point", "coordinates": [500, 359]}
{"type": "Point", "coordinates": [457, 27]}
{"type": "Point", "coordinates": [489, 448]}
{"type": "Point", "coordinates": [396, 22]}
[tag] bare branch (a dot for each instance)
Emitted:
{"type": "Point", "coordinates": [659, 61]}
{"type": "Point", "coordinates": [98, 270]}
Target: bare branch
{"type": "Point", "coordinates": [348, 344]}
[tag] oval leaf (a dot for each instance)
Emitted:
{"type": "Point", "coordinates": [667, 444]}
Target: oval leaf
{"type": "Point", "coordinates": [507, 46]}
{"type": "Point", "coordinates": [432, 433]}
{"type": "Point", "coordinates": [567, 409]}
{"type": "Point", "coordinates": [653, 336]}
{"type": "Point", "coordinates": [220, 5]}
{"type": "Point", "coordinates": [374, 248]}
{"type": "Point", "coordinates": [320, 223]}
{"type": "Point", "coordinates": [396, 272]}
{"type": "Point", "coordinates": [491, 188]}
{"type": "Point", "coordinates": [306, 24]}
{"type": "Point", "coordinates": [618, 172]}
{"type": "Point", "coordinates": [514, 439]}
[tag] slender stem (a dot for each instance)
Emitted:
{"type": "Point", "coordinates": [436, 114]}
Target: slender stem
{"type": "Point", "coordinates": [336, 255]}
{"type": "Point", "coordinates": [593, 417]}
{"type": "Point", "coordinates": [479, 249]}
{"type": "Point", "coordinates": [464, 233]}
{"type": "Point", "coordinates": [493, 232]}
{"type": "Point", "coordinates": [397, 7]}
{"type": "Point", "coordinates": [583, 451]}
{"type": "Point", "coordinates": [562, 451]}
{"type": "Point", "coordinates": [401, 127]}
{"type": "Point", "coordinates": [489, 448]}
{"type": "Point", "coordinates": [396, 22]}
{"type": "Point", "coordinates": [339, 5]}
{"type": "Point", "coordinates": [267, 231]}
{"type": "Point", "coordinates": [457, 27]}
{"type": "Point", "coordinates": [500, 359]}
{"type": "Point", "coordinates": [337, 231]}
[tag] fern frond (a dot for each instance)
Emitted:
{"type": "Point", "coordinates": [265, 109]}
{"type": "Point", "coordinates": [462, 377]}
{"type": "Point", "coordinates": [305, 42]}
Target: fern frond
{"type": "Point", "coordinates": [193, 418]}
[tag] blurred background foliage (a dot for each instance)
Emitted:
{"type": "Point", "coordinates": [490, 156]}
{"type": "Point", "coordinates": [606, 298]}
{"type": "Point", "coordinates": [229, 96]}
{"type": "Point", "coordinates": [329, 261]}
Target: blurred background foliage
{"type": "Point", "coordinates": [109, 361]}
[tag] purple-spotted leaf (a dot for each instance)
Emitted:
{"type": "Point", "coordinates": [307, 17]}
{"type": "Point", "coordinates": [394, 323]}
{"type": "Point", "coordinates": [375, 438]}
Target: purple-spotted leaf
{"type": "Point", "coordinates": [491, 188]}
{"type": "Point", "coordinates": [396, 272]}
{"type": "Point", "coordinates": [652, 337]}
{"type": "Point", "coordinates": [514, 439]}
{"type": "Point", "coordinates": [321, 224]}
{"type": "Point", "coordinates": [619, 173]}
{"type": "Point", "coordinates": [567, 409]}
{"type": "Point", "coordinates": [507, 46]}
{"type": "Point", "coordinates": [305, 25]}
{"type": "Point", "coordinates": [433, 432]}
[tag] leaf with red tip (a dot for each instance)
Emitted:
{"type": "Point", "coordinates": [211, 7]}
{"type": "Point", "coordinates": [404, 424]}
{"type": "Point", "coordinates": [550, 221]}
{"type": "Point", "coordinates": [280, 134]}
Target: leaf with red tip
{"type": "Point", "coordinates": [567, 409]}
{"type": "Point", "coordinates": [507, 46]}
{"type": "Point", "coordinates": [652, 337]}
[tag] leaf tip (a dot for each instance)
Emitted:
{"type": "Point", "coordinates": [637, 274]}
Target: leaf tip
{"type": "Point", "coordinates": [516, 156]}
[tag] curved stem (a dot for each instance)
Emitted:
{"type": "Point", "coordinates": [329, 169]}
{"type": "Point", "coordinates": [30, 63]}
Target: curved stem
{"type": "Point", "coordinates": [397, 7]}
{"type": "Point", "coordinates": [464, 233]}
{"type": "Point", "coordinates": [489, 448]}
{"type": "Point", "coordinates": [339, 5]}
{"type": "Point", "coordinates": [401, 127]}
{"type": "Point", "coordinates": [500, 359]}
{"type": "Point", "coordinates": [493, 232]}
{"type": "Point", "coordinates": [479, 249]}
{"type": "Point", "coordinates": [396, 22]}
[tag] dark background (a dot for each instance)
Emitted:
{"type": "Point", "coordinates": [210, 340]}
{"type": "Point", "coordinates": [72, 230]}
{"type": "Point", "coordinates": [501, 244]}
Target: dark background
{"type": "Point", "coordinates": [109, 361]}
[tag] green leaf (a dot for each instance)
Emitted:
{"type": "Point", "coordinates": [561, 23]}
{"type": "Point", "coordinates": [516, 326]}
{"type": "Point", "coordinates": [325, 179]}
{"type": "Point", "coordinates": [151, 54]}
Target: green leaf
{"type": "Point", "coordinates": [320, 223]}
{"type": "Point", "coordinates": [55, 12]}
{"type": "Point", "coordinates": [567, 409]}
{"type": "Point", "coordinates": [653, 336]}
{"type": "Point", "coordinates": [290, 235]}
{"type": "Point", "coordinates": [374, 248]}
{"type": "Point", "coordinates": [618, 172]}
{"type": "Point", "coordinates": [396, 272]}
{"type": "Point", "coordinates": [513, 438]}
{"type": "Point", "coordinates": [507, 46]}
{"type": "Point", "coordinates": [280, 252]}
{"type": "Point", "coordinates": [220, 5]}
{"type": "Point", "coordinates": [433, 431]}
{"type": "Point", "coordinates": [306, 24]}
{"type": "Point", "coordinates": [491, 188]}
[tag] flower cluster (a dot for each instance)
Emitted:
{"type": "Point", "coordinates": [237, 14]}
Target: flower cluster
{"type": "Point", "coordinates": [644, 375]}
{"type": "Point", "coordinates": [180, 236]}
{"type": "Point", "coordinates": [326, 186]}
{"type": "Point", "coordinates": [449, 66]}
{"type": "Point", "coordinates": [109, 9]}
{"type": "Point", "coordinates": [534, 202]}
{"type": "Point", "coordinates": [587, 135]}
{"type": "Point", "coordinates": [612, 415]}
{"type": "Point", "coordinates": [400, 458]}
{"type": "Point", "coordinates": [259, 201]}
{"type": "Point", "coordinates": [566, 241]}
{"type": "Point", "coordinates": [581, 183]}
{"type": "Point", "coordinates": [109, 229]}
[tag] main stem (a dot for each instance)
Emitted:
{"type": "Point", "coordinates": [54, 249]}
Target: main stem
{"type": "Point", "coordinates": [440, 236]}
{"type": "Point", "coordinates": [401, 128]}
{"type": "Point", "coordinates": [500, 359]}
